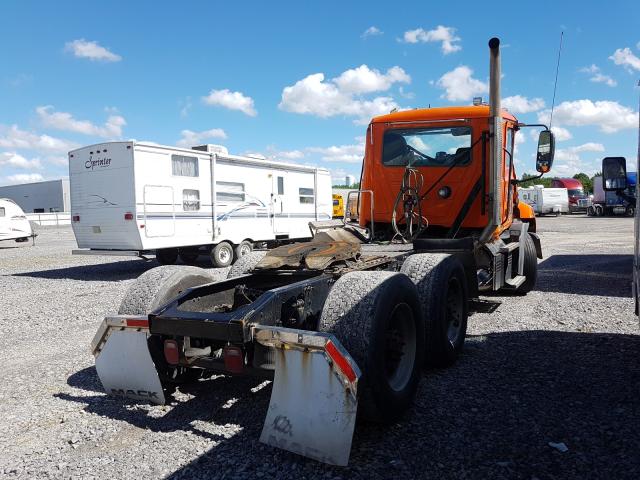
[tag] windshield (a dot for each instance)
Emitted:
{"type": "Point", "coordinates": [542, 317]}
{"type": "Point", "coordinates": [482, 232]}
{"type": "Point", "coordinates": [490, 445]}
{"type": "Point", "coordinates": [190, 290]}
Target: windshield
{"type": "Point", "coordinates": [427, 147]}
{"type": "Point", "coordinates": [576, 192]}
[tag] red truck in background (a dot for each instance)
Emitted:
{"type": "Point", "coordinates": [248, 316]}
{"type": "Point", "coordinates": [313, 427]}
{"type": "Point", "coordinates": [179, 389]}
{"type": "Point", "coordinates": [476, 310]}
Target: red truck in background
{"type": "Point", "coordinates": [575, 190]}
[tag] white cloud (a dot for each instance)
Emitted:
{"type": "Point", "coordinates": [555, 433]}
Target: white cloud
{"type": "Point", "coordinates": [191, 138]}
{"type": "Point", "coordinates": [289, 155]}
{"type": "Point", "coordinates": [65, 121]}
{"type": "Point", "coordinates": [520, 104]}
{"type": "Point", "coordinates": [365, 80]}
{"type": "Point", "coordinates": [341, 153]}
{"type": "Point", "coordinates": [231, 100]}
{"type": "Point", "coordinates": [407, 95]}
{"type": "Point", "coordinates": [24, 178]}
{"type": "Point", "coordinates": [608, 116]}
{"type": "Point", "coordinates": [626, 58]}
{"type": "Point", "coordinates": [15, 160]}
{"type": "Point", "coordinates": [58, 160]}
{"type": "Point", "coordinates": [15, 138]}
{"type": "Point", "coordinates": [371, 32]}
{"type": "Point", "coordinates": [459, 84]}
{"type": "Point", "coordinates": [445, 35]}
{"type": "Point", "coordinates": [560, 133]}
{"type": "Point", "coordinates": [597, 76]}
{"type": "Point", "coordinates": [84, 49]}
{"type": "Point", "coordinates": [568, 161]}
{"type": "Point", "coordinates": [314, 96]}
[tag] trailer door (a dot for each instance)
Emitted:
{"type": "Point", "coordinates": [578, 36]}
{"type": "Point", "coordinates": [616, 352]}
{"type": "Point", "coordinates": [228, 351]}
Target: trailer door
{"type": "Point", "coordinates": [159, 211]}
{"type": "Point", "coordinates": [279, 204]}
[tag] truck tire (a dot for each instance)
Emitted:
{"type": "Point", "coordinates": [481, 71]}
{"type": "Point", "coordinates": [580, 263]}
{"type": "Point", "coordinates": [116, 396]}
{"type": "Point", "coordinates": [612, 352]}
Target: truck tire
{"type": "Point", "coordinates": [630, 211]}
{"type": "Point", "coordinates": [245, 264]}
{"type": "Point", "coordinates": [530, 264]}
{"type": "Point", "coordinates": [153, 289]}
{"type": "Point", "coordinates": [376, 317]}
{"type": "Point", "coordinates": [167, 256]}
{"type": "Point", "coordinates": [444, 298]}
{"type": "Point", "coordinates": [222, 255]}
{"type": "Point", "coordinates": [244, 248]}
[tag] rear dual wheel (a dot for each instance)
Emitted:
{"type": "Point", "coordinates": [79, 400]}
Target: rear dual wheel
{"type": "Point", "coordinates": [376, 316]}
{"type": "Point", "coordinates": [223, 254]}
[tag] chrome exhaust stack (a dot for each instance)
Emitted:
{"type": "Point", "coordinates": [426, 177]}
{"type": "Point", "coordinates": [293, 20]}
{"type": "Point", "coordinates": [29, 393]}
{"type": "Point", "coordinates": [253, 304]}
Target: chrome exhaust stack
{"type": "Point", "coordinates": [495, 142]}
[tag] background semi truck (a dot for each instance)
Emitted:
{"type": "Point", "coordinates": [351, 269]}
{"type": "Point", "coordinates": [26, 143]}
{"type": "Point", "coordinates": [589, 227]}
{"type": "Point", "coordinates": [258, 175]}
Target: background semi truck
{"type": "Point", "coordinates": [575, 190]}
{"type": "Point", "coordinates": [345, 323]}
{"type": "Point", "coordinates": [609, 202]}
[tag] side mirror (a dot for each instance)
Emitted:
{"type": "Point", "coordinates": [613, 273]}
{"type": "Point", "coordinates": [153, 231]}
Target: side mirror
{"type": "Point", "coordinates": [546, 150]}
{"type": "Point", "coordinates": [614, 173]}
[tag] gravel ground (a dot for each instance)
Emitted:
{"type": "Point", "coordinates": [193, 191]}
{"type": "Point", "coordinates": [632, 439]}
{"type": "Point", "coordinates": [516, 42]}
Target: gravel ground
{"type": "Point", "coordinates": [561, 365]}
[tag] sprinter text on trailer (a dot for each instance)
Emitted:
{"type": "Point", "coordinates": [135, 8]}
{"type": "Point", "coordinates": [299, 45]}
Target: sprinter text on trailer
{"type": "Point", "coordinates": [136, 198]}
{"type": "Point", "coordinates": [344, 323]}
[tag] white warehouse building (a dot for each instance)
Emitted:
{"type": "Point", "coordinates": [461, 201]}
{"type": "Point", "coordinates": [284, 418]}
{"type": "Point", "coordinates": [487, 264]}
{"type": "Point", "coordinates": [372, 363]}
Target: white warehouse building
{"type": "Point", "coordinates": [40, 197]}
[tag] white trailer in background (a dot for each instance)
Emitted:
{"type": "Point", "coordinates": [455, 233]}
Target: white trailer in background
{"type": "Point", "coordinates": [13, 222]}
{"type": "Point", "coordinates": [133, 198]}
{"type": "Point", "coordinates": [545, 200]}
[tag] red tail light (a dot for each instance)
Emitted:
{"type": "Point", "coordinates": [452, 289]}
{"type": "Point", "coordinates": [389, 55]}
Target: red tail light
{"type": "Point", "coordinates": [128, 216]}
{"type": "Point", "coordinates": [171, 352]}
{"type": "Point", "coordinates": [75, 218]}
{"type": "Point", "coordinates": [233, 359]}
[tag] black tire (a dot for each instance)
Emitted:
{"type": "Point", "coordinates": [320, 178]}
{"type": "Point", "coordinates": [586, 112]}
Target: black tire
{"type": "Point", "coordinates": [189, 255]}
{"type": "Point", "coordinates": [167, 256]}
{"type": "Point", "coordinates": [153, 289]}
{"type": "Point", "coordinates": [530, 264]}
{"type": "Point", "coordinates": [241, 250]}
{"type": "Point", "coordinates": [376, 317]}
{"type": "Point", "coordinates": [222, 255]}
{"type": "Point", "coordinates": [590, 211]}
{"type": "Point", "coordinates": [630, 211]}
{"type": "Point", "coordinates": [442, 287]}
{"type": "Point", "coordinates": [246, 264]}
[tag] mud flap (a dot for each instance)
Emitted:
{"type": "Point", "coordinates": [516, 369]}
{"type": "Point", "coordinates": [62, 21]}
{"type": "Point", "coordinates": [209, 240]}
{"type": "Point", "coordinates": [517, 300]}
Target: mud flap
{"type": "Point", "coordinates": [126, 369]}
{"type": "Point", "coordinates": [311, 413]}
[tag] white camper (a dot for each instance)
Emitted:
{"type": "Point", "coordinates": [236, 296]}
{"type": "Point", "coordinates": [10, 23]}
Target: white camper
{"type": "Point", "coordinates": [545, 200]}
{"type": "Point", "coordinates": [134, 198]}
{"type": "Point", "coordinates": [13, 222]}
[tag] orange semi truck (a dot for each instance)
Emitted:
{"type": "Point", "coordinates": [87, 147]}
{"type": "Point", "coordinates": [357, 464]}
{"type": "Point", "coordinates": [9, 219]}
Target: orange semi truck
{"type": "Point", "coordinates": [344, 323]}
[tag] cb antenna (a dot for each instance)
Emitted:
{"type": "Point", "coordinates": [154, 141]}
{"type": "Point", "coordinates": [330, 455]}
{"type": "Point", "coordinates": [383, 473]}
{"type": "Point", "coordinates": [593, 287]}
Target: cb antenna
{"type": "Point", "coordinates": [553, 102]}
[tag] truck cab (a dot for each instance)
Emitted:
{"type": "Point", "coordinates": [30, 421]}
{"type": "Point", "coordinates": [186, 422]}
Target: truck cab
{"type": "Point", "coordinates": [575, 190]}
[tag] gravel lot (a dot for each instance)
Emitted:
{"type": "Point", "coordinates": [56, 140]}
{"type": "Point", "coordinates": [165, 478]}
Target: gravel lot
{"type": "Point", "coordinates": [559, 365]}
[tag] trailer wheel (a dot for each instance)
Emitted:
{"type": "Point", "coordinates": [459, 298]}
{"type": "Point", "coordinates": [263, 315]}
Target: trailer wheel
{"type": "Point", "coordinates": [442, 288]}
{"type": "Point", "coordinates": [222, 255]}
{"type": "Point", "coordinates": [244, 248]}
{"type": "Point", "coordinates": [153, 289]}
{"type": "Point", "coordinates": [530, 264]}
{"type": "Point", "coordinates": [376, 316]}
{"type": "Point", "coordinates": [167, 256]}
{"type": "Point", "coordinates": [246, 264]}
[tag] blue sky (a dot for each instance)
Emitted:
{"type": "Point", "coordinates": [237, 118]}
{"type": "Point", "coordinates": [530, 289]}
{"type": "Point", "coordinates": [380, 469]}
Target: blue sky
{"type": "Point", "coordinates": [298, 81]}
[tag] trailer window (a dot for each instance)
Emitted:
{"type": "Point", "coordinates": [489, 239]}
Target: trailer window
{"type": "Point", "coordinates": [230, 192]}
{"type": "Point", "coordinates": [184, 166]}
{"type": "Point", "coordinates": [2, 212]}
{"type": "Point", "coordinates": [280, 185]}
{"type": "Point", "coordinates": [427, 147]}
{"type": "Point", "coordinates": [190, 200]}
{"type": "Point", "coordinates": [306, 195]}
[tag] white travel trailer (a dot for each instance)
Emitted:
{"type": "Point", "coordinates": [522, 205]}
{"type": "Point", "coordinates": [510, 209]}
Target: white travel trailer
{"type": "Point", "coordinates": [13, 223]}
{"type": "Point", "coordinates": [545, 200]}
{"type": "Point", "coordinates": [135, 198]}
